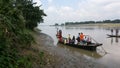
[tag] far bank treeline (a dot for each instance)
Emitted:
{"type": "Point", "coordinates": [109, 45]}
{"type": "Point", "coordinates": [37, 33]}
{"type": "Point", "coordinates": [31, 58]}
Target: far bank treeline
{"type": "Point", "coordinates": [93, 22]}
{"type": "Point", "coordinates": [17, 19]}
{"type": "Point", "coordinates": [90, 22]}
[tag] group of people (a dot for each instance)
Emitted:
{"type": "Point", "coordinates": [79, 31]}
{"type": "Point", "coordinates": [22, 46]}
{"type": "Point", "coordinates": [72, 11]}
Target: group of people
{"type": "Point", "coordinates": [80, 39]}
{"type": "Point", "coordinates": [116, 32]}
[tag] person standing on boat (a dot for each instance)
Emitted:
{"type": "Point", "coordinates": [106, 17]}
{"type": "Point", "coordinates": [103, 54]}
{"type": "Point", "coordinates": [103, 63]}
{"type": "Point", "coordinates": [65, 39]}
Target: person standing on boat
{"type": "Point", "coordinates": [68, 39]}
{"type": "Point", "coordinates": [60, 35]}
{"type": "Point", "coordinates": [78, 38]}
{"type": "Point", "coordinates": [82, 37]}
{"type": "Point", "coordinates": [73, 40]}
{"type": "Point", "coordinates": [117, 32]}
{"type": "Point", "coordinates": [87, 39]}
{"type": "Point", "coordinates": [111, 31]}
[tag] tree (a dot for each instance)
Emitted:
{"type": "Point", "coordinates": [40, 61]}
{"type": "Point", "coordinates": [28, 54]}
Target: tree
{"type": "Point", "coordinates": [56, 24]}
{"type": "Point", "coordinates": [116, 21]}
{"type": "Point", "coordinates": [13, 35]}
{"type": "Point", "coordinates": [32, 14]}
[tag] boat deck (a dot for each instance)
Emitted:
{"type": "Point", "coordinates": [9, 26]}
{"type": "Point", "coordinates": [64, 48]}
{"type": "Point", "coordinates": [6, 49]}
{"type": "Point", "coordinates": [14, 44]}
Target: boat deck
{"type": "Point", "coordinates": [113, 35]}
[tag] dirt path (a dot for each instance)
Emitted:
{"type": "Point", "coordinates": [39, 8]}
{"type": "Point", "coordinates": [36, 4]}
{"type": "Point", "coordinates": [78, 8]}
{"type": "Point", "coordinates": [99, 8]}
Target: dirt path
{"type": "Point", "coordinates": [61, 58]}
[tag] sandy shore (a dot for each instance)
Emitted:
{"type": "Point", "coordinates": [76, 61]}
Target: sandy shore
{"type": "Point", "coordinates": [57, 57]}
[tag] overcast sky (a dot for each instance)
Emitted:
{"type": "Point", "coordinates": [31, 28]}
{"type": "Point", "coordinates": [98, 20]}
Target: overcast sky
{"type": "Point", "coordinates": [61, 11]}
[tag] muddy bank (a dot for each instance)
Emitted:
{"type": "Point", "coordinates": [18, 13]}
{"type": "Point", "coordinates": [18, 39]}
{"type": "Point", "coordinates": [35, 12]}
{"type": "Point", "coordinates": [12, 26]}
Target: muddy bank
{"type": "Point", "coordinates": [57, 57]}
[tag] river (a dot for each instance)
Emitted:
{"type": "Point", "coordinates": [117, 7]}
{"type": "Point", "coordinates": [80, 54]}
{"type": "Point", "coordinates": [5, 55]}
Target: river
{"type": "Point", "coordinates": [107, 54]}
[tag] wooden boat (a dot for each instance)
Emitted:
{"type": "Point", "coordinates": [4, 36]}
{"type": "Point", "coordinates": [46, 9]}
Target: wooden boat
{"type": "Point", "coordinates": [90, 46]}
{"type": "Point", "coordinates": [113, 35]}
{"type": "Point", "coordinates": [92, 54]}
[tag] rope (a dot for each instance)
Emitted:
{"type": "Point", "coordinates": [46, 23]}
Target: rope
{"type": "Point", "coordinates": [97, 42]}
{"type": "Point", "coordinates": [104, 50]}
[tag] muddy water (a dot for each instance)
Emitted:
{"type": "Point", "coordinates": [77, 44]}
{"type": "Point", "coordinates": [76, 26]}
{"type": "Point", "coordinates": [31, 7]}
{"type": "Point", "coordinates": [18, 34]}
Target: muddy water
{"type": "Point", "coordinates": [107, 54]}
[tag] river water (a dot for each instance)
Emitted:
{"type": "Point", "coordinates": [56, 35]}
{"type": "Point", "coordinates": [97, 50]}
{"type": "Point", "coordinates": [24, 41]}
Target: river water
{"type": "Point", "coordinates": [108, 54]}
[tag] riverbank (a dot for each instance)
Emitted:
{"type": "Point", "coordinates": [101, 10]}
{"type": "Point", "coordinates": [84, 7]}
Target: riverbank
{"type": "Point", "coordinates": [56, 57]}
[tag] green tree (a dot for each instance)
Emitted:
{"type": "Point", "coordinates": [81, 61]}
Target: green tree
{"type": "Point", "coordinates": [13, 34]}
{"type": "Point", "coordinates": [32, 14]}
{"type": "Point", "coordinates": [56, 24]}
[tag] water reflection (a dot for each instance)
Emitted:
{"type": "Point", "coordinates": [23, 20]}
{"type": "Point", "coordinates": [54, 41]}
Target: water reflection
{"type": "Point", "coordinates": [111, 40]}
{"type": "Point", "coordinates": [92, 54]}
{"type": "Point", "coordinates": [114, 39]}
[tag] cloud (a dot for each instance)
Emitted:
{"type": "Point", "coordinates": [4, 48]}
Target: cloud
{"type": "Point", "coordinates": [112, 6]}
{"type": "Point", "coordinates": [51, 9]}
{"type": "Point", "coordinates": [83, 11]}
{"type": "Point", "coordinates": [50, 1]}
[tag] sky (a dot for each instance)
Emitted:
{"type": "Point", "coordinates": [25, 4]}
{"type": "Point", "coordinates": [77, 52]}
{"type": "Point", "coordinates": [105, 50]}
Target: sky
{"type": "Point", "coordinates": [61, 11]}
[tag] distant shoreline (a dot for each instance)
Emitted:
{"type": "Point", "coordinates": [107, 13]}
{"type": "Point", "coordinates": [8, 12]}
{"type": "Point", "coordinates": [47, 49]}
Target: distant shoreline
{"type": "Point", "coordinates": [97, 24]}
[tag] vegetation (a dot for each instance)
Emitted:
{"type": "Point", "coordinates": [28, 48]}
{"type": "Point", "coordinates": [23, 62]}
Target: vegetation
{"type": "Point", "coordinates": [56, 24]}
{"type": "Point", "coordinates": [17, 17]}
{"type": "Point", "coordinates": [32, 14]}
{"type": "Point", "coordinates": [93, 22]}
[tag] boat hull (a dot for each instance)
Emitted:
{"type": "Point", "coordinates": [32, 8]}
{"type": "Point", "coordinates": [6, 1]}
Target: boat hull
{"type": "Point", "coordinates": [90, 47]}
{"type": "Point", "coordinates": [113, 35]}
